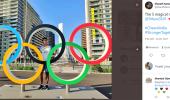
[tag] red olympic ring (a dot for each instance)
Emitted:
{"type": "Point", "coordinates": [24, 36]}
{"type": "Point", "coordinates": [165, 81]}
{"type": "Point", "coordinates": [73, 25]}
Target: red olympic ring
{"type": "Point", "coordinates": [99, 60]}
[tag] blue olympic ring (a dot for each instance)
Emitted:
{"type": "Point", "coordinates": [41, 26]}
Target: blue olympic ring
{"type": "Point", "coordinates": [19, 39]}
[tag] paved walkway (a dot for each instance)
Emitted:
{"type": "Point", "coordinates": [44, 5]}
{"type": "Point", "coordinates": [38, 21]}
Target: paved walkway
{"type": "Point", "coordinates": [55, 92]}
{"type": "Point", "coordinates": [97, 81]}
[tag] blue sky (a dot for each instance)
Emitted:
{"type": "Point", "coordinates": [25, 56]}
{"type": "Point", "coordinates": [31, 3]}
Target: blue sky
{"type": "Point", "coordinates": [70, 12]}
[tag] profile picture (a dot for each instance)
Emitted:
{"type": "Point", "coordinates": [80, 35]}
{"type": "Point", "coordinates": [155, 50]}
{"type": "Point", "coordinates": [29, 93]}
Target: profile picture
{"type": "Point", "coordinates": [148, 5]}
{"type": "Point", "coordinates": [148, 80]}
{"type": "Point", "coordinates": [148, 65]}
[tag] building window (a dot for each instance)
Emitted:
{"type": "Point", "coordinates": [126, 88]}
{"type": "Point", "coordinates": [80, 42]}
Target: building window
{"type": "Point", "coordinates": [108, 21]}
{"type": "Point", "coordinates": [110, 31]}
{"type": "Point", "coordinates": [110, 59]}
{"type": "Point", "coordinates": [106, 0]}
{"type": "Point", "coordinates": [107, 11]}
{"type": "Point", "coordinates": [108, 26]}
{"type": "Point", "coordinates": [108, 16]}
{"type": "Point", "coordinates": [106, 6]}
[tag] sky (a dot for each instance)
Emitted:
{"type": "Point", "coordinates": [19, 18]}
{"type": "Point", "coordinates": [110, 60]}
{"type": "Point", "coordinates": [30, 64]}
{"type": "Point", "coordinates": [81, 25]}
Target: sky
{"type": "Point", "coordinates": [69, 12]}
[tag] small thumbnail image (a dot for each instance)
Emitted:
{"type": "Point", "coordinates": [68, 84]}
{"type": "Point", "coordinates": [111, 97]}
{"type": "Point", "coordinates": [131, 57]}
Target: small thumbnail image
{"type": "Point", "coordinates": [148, 5]}
{"type": "Point", "coordinates": [148, 80]}
{"type": "Point", "coordinates": [148, 65]}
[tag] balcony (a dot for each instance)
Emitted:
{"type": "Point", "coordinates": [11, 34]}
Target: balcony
{"type": "Point", "coordinates": [13, 17]}
{"type": "Point", "coordinates": [14, 7]}
{"type": "Point", "coordinates": [98, 48]}
{"type": "Point", "coordinates": [93, 0]}
{"type": "Point", "coordinates": [14, 25]}
{"type": "Point", "coordinates": [97, 44]}
{"type": "Point", "coordinates": [96, 53]}
{"type": "Point", "coordinates": [14, 21]}
{"type": "Point", "coordinates": [94, 4]}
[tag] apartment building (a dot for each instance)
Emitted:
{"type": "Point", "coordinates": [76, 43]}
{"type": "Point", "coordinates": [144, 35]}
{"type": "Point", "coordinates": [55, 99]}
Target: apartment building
{"type": "Point", "coordinates": [99, 12]}
{"type": "Point", "coordinates": [20, 15]}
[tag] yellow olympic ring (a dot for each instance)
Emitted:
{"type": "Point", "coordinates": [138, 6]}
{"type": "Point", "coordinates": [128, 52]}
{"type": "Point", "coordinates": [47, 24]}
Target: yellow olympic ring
{"type": "Point", "coordinates": [8, 72]}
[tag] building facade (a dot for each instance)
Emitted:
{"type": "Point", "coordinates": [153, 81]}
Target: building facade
{"type": "Point", "coordinates": [20, 15]}
{"type": "Point", "coordinates": [83, 39]}
{"type": "Point", "coordinates": [99, 12]}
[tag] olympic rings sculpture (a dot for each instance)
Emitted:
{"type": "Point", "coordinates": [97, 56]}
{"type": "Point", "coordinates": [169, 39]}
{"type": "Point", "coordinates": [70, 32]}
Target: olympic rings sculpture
{"type": "Point", "coordinates": [7, 59]}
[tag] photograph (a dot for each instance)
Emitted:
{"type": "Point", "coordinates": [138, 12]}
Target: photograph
{"type": "Point", "coordinates": [55, 49]}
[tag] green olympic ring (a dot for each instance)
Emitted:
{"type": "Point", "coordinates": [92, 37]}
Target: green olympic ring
{"type": "Point", "coordinates": [75, 80]}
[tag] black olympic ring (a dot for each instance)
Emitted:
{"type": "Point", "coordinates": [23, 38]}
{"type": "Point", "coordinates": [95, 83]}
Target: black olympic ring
{"type": "Point", "coordinates": [40, 27]}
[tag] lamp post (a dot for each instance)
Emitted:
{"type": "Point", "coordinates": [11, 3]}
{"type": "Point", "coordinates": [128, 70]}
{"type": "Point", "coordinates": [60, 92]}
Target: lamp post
{"type": "Point", "coordinates": [22, 85]}
{"type": "Point", "coordinates": [25, 29]}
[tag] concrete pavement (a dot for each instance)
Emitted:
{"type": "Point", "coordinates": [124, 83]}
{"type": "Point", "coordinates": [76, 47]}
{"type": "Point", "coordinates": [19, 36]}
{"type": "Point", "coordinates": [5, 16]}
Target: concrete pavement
{"type": "Point", "coordinates": [97, 80]}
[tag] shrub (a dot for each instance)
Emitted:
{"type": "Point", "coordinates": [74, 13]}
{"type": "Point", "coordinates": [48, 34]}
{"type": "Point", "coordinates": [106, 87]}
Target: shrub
{"type": "Point", "coordinates": [19, 68]}
{"type": "Point", "coordinates": [25, 68]}
{"type": "Point", "coordinates": [28, 68]}
{"type": "Point", "coordinates": [107, 70]}
{"type": "Point", "coordinates": [11, 68]}
{"type": "Point", "coordinates": [97, 68]}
